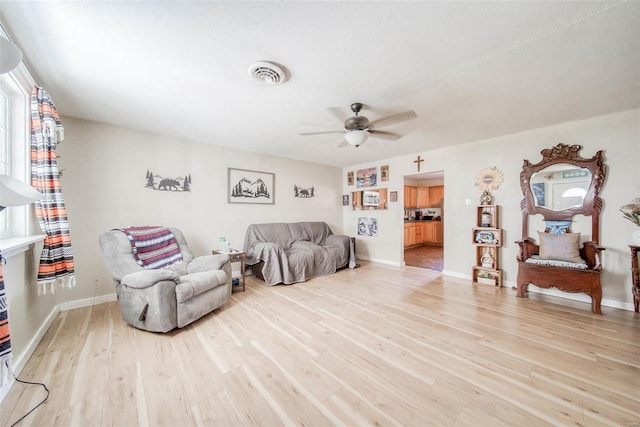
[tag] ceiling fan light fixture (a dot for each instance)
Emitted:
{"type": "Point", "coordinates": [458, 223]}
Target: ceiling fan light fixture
{"type": "Point", "coordinates": [356, 137]}
{"type": "Point", "coordinates": [10, 55]}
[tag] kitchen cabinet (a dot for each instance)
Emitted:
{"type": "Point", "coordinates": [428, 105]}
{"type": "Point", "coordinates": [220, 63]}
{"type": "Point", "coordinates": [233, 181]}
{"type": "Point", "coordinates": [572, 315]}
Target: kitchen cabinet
{"type": "Point", "coordinates": [433, 233]}
{"type": "Point", "coordinates": [435, 195]}
{"type": "Point", "coordinates": [439, 234]}
{"type": "Point", "coordinates": [429, 235]}
{"type": "Point", "coordinates": [423, 232]}
{"type": "Point", "coordinates": [423, 197]}
{"type": "Point", "coordinates": [410, 196]}
{"type": "Point", "coordinates": [410, 234]}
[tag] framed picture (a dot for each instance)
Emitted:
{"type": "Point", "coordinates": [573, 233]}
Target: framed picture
{"type": "Point", "coordinates": [345, 200]}
{"type": "Point", "coordinates": [367, 227]}
{"type": "Point", "coordinates": [247, 186]}
{"type": "Point", "coordinates": [303, 192]}
{"type": "Point", "coordinates": [393, 196]}
{"type": "Point", "coordinates": [350, 178]}
{"type": "Point", "coordinates": [384, 173]}
{"type": "Point", "coordinates": [367, 177]}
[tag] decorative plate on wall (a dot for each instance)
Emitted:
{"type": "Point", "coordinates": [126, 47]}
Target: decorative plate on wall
{"type": "Point", "coordinates": [488, 179]}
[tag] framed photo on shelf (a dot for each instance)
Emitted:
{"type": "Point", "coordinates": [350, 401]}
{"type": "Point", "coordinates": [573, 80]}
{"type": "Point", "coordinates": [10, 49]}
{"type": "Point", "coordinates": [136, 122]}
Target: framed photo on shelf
{"type": "Point", "coordinates": [248, 186]}
{"type": "Point", "coordinates": [487, 237]}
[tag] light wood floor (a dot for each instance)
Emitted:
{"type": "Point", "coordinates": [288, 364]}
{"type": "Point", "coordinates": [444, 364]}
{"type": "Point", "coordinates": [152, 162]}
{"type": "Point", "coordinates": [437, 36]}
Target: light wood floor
{"type": "Point", "coordinates": [378, 345]}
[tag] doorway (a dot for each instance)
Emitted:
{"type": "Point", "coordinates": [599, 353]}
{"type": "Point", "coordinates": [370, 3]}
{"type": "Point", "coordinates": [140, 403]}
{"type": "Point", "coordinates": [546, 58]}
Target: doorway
{"type": "Point", "coordinates": [424, 220]}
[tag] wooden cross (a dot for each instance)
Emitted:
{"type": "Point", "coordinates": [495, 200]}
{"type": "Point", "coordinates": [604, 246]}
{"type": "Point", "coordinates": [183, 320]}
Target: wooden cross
{"type": "Point", "coordinates": [418, 161]}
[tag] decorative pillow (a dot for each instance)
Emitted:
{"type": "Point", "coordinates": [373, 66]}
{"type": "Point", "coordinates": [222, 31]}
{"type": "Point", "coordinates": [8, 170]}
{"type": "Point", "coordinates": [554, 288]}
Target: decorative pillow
{"type": "Point", "coordinates": [561, 247]}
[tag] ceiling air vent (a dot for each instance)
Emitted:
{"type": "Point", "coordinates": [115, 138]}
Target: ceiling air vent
{"type": "Point", "coordinates": [267, 72]}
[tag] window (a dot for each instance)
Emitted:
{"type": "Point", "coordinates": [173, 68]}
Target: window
{"type": "Point", "coordinates": [15, 90]}
{"type": "Point", "coordinates": [5, 152]}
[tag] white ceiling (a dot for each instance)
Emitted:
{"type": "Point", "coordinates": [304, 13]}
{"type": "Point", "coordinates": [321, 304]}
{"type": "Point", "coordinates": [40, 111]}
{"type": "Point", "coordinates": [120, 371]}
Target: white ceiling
{"type": "Point", "coordinates": [470, 70]}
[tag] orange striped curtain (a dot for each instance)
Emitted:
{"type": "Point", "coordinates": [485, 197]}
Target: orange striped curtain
{"type": "Point", "coordinates": [56, 261]}
{"type": "Point", "coordinates": [5, 342]}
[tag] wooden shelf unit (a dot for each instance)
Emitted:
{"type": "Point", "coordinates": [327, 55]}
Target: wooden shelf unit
{"type": "Point", "coordinates": [635, 276]}
{"type": "Point", "coordinates": [487, 239]}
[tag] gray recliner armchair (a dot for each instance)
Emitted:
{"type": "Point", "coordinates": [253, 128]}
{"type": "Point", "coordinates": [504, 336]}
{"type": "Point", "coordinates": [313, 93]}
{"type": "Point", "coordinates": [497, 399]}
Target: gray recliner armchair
{"type": "Point", "coordinates": [160, 300]}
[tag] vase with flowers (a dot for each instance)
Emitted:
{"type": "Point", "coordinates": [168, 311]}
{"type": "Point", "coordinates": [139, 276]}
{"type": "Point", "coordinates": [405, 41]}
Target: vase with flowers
{"type": "Point", "coordinates": [631, 211]}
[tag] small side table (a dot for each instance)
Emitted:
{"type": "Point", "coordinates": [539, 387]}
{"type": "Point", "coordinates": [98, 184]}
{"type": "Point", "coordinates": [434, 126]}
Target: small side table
{"type": "Point", "coordinates": [635, 276]}
{"type": "Point", "coordinates": [235, 256]}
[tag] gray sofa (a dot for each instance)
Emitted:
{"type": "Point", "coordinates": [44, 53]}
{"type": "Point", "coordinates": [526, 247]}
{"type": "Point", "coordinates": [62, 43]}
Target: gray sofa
{"type": "Point", "coordinates": [172, 297]}
{"type": "Point", "coordinates": [294, 252]}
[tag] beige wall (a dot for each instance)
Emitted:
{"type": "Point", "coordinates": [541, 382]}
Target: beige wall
{"type": "Point", "coordinates": [104, 188]}
{"type": "Point", "coordinates": [617, 134]}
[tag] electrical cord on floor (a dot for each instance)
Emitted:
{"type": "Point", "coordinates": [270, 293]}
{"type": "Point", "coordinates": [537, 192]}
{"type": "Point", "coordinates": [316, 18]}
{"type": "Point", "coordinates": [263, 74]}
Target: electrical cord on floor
{"type": "Point", "coordinates": [35, 407]}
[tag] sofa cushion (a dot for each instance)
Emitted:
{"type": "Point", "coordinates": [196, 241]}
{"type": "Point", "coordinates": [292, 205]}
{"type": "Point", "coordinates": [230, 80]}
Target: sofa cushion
{"type": "Point", "coordinates": [197, 283]}
{"type": "Point", "coordinates": [582, 265]}
{"type": "Point", "coordinates": [560, 247]}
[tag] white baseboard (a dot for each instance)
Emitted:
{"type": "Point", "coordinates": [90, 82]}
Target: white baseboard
{"type": "Point", "coordinates": [379, 261]}
{"type": "Point", "coordinates": [606, 302]}
{"type": "Point", "coordinates": [581, 298]}
{"type": "Point", "coordinates": [20, 360]}
{"type": "Point", "coordinates": [87, 302]}
{"type": "Point", "coordinates": [456, 275]}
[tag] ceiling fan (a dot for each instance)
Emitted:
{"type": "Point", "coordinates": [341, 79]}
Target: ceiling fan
{"type": "Point", "coordinates": [359, 128]}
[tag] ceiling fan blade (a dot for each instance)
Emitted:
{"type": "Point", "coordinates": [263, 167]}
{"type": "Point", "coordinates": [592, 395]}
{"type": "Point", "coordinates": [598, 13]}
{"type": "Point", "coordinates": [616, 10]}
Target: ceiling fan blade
{"type": "Point", "coordinates": [393, 119]}
{"type": "Point", "coordinates": [343, 143]}
{"type": "Point", "coordinates": [322, 132]}
{"type": "Point", "coordinates": [338, 113]}
{"type": "Point", "coordinates": [381, 134]}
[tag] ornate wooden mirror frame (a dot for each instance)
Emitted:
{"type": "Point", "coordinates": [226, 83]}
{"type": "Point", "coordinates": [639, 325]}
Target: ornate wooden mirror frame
{"type": "Point", "coordinates": [546, 276]}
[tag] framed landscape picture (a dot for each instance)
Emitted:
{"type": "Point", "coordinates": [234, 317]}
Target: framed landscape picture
{"type": "Point", "coordinates": [367, 177]}
{"type": "Point", "coordinates": [248, 186]}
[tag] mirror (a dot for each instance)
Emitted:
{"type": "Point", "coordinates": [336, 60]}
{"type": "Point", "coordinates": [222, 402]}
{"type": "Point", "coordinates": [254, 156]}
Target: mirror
{"type": "Point", "coordinates": [560, 186]}
{"type": "Point", "coordinates": [369, 199]}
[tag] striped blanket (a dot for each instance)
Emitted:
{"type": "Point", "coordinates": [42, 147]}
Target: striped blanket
{"type": "Point", "coordinates": [5, 342]}
{"type": "Point", "coordinates": [153, 247]}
